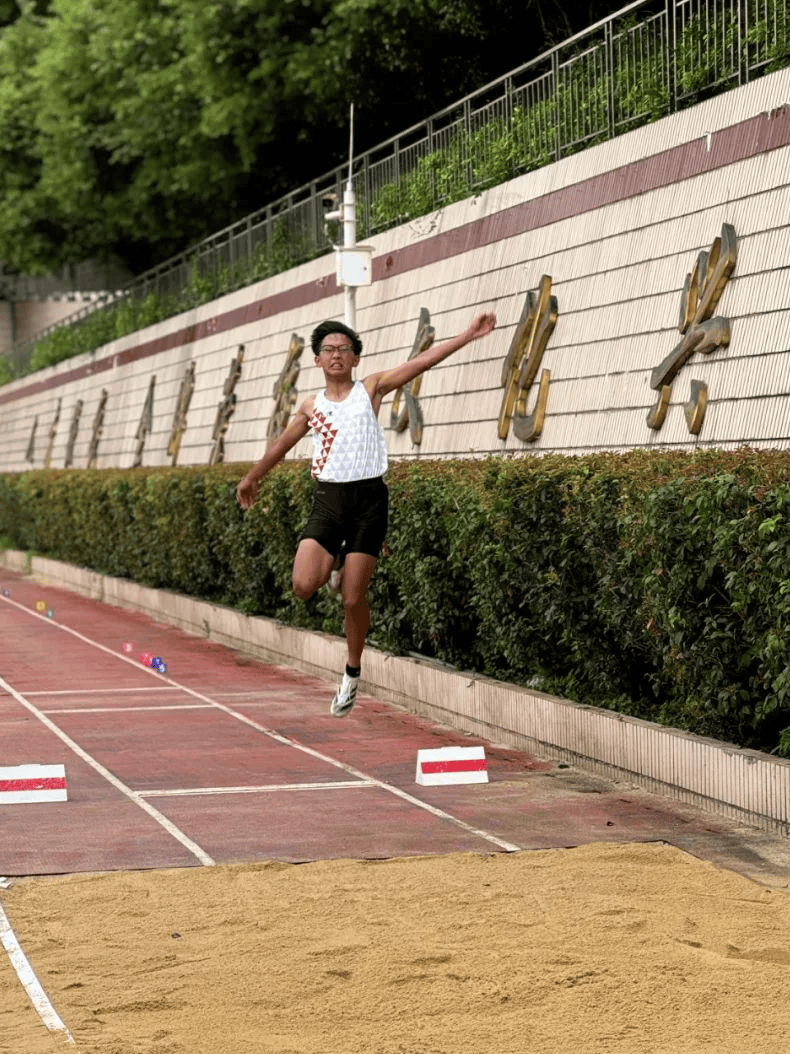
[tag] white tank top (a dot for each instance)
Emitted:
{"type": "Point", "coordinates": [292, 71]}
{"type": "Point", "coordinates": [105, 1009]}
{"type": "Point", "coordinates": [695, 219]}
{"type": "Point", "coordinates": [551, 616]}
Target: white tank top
{"type": "Point", "coordinates": [348, 441]}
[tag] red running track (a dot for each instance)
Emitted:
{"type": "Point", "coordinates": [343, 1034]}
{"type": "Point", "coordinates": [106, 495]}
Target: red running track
{"type": "Point", "coordinates": [226, 759]}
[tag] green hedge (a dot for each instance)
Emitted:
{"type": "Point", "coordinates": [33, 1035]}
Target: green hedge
{"type": "Point", "coordinates": [654, 584]}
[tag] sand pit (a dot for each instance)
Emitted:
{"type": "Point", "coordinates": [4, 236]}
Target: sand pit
{"type": "Point", "coordinates": [623, 949]}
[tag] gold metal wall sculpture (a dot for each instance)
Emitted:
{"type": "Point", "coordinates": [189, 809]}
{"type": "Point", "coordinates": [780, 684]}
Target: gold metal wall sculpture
{"type": "Point", "coordinates": [411, 414]}
{"type": "Point", "coordinates": [146, 423]}
{"type": "Point", "coordinates": [537, 322]}
{"type": "Point", "coordinates": [700, 297]}
{"type": "Point", "coordinates": [31, 446]}
{"type": "Point", "coordinates": [75, 427]}
{"type": "Point", "coordinates": [225, 410]}
{"type": "Point", "coordinates": [53, 431]}
{"type": "Point", "coordinates": [285, 391]}
{"type": "Point", "coordinates": [180, 415]}
{"type": "Point", "coordinates": [98, 426]}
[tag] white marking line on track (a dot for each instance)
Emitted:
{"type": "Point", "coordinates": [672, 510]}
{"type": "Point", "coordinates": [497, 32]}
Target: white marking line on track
{"type": "Point", "coordinates": [132, 795]}
{"type": "Point", "coordinates": [124, 709]}
{"type": "Point", "coordinates": [24, 971]}
{"type": "Point", "coordinates": [508, 847]}
{"type": "Point", "coordinates": [104, 691]}
{"type": "Point", "coordinates": [281, 694]}
{"type": "Point", "coordinates": [264, 789]}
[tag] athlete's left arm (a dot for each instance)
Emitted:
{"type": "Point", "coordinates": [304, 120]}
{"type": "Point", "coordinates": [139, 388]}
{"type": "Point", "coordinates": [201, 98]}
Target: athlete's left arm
{"type": "Point", "coordinates": [380, 384]}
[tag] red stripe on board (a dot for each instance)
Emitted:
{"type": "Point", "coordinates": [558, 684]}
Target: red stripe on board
{"type": "Point", "coordinates": [475, 765]}
{"type": "Point", "coordinates": [48, 783]}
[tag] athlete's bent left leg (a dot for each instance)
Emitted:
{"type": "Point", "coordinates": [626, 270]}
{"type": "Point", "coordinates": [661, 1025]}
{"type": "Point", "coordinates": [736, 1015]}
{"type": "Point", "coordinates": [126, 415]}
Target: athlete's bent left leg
{"type": "Point", "coordinates": [312, 567]}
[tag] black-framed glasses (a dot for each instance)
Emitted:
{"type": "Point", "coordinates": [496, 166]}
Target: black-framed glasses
{"type": "Point", "coordinates": [338, 347]}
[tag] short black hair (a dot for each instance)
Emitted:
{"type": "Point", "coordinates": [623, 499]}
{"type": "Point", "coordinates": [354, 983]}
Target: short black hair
{"type": "Point", "coordinates": [325, 328]}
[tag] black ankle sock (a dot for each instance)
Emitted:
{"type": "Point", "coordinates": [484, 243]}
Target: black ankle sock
{"type": "Point", "coordinates": [353, 671]}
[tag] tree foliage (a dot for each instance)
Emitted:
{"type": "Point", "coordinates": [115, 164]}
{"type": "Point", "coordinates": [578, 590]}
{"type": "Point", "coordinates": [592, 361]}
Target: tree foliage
{"type": "Point", "coordinates": [135, 127]}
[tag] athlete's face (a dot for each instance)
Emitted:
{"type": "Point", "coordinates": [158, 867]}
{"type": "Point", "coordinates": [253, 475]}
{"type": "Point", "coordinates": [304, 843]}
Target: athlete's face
{"type": "Point", "coordinates": [337, 354]}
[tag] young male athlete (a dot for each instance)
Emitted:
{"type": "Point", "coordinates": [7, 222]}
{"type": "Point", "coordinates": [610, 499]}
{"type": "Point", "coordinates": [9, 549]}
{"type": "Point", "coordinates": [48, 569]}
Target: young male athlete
{"type": "Point", "coordinates": [349, 510]}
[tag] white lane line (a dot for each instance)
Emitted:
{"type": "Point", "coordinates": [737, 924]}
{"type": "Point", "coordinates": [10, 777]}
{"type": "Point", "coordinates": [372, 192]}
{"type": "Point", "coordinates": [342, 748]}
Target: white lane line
{"type": "Point", "coordinates": [132, 795]}
{"type": "Point", "coordinates": [103, 691]}
{"type": "Point", "coordinates": [24, 971]}
{"type": "Point", "coordinates": [508, 847]}
{"type": "Point", "coordinates": [358, 774]}
{"type": "Point", "coordinates": [263, 789]}
{"type": "Point", "coordinates": [281, 694]}
{"type": "Point", "coordinates": [123, 709]}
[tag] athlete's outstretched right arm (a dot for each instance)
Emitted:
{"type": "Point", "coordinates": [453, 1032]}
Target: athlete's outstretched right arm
{"type": "Point", "coordinates": [247, 490]}
{"type": "Point", "coordinates": [378, 385]}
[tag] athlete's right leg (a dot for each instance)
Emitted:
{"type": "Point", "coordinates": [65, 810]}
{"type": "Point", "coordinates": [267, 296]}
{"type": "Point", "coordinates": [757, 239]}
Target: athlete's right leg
{"type": "Point", "coordinates": [312, 568]}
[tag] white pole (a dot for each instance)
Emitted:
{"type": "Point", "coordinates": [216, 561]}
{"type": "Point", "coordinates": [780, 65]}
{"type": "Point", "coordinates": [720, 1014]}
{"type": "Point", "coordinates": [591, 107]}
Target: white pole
{"type": "Point", "coordinates": [350, 227]}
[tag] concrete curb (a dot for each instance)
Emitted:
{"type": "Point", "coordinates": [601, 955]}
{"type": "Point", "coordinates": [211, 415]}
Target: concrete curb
{"type": "Point", "coordinates": [743, 785]}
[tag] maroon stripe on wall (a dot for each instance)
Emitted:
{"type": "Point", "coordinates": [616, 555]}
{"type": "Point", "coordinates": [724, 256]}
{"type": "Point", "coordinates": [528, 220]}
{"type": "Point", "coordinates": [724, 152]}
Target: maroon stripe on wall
{"type": "Point", "coordinates": [758, 135]}
{"type": "Point", "coordinates": [229, 320]}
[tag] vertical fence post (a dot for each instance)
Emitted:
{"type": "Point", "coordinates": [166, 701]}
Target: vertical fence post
{"type": "Point", "coordinates": [289, 239]}
{"type": "Point", "coordinates": [429, 151]}
{"type": "Point", "coordinates": [743, 36]}
{"type": "Point", "coordinates": [507, 122]}
{"type": "Point", "coordinates": [311, 239]}
{"type": "Point", "coordinates": [555, 78]}
{"type": "Point", "coordinates": [396, 169]}
{"type": "Point", "coordinates": [671, 52]}
{"type": "Point", "coordinates": [248, 241]}
{"type": "Point", "coordinates": [366, 191]}
{"type": "Point", "coordinates": [267, 238]}
{"type": "Point", "coordinates": [608, 51]}
{"type": "Point", "coordinates": [467, 144]}
{"type": "Point", "coordinates": [231, 259]}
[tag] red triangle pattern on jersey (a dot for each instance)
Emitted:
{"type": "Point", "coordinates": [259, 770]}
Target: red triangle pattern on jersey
{"type": "Point", "coordinates": [322, 427]}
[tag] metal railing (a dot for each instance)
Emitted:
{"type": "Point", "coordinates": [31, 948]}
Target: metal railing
{"type": "Point", "coordinates": [649, 59]}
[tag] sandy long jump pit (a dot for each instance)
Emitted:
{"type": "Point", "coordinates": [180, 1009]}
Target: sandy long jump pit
{"type": "Point", "coordinates": [624, 949]}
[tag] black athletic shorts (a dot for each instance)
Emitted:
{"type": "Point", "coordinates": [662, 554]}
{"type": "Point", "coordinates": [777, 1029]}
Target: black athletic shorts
{"type": "Point", "coordinates": [350, 514]}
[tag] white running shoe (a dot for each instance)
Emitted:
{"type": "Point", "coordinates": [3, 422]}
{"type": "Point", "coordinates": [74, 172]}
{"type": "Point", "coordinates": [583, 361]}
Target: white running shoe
{"type": "Point", "coordinates": [346, 696]}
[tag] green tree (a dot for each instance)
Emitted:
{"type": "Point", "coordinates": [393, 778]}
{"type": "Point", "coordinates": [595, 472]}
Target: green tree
{"type": "Point", "coordinates": [29, 221]}
{"type": "Point", "coordinates": [119, 131]}
{"type": "Point", "coordinates": [137, 127]}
